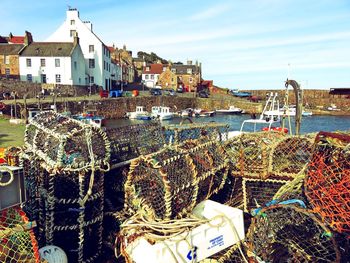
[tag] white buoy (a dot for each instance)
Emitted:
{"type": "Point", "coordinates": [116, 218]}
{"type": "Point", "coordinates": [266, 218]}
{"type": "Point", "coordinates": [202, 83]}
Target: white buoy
{"type": "Point", "coordinates": [53, 254]}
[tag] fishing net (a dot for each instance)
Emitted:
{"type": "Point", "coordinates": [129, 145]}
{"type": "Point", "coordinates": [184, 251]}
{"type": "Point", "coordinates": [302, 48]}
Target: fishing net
{"type": "Point", "coordinates": [286, 233]}
{"type": "Point", "coordinates": [17, 240]}
{"type": "Point", "coordinates": [269, 154]}
{"type": "Point", "coordinates": [64, 164]}
{"type": "Point", "coordinates": [66, 144]}
{"type": "Point", "coordinates": [130, 142]}
{"type": "Point", "coordinates": [231, 194]}
{"type": "Point", "coordinates": [327, 184]}
{"type": "Point", "coordinates": [177, 133]}
{"type": "Point", "coordinates": [257, 192]}
{"type": "Point", "coordinates": [290, 155]}
{"type": "Point", "coordinates": [170, 182]}
{"type": "Point", "coordinates": [249, 153]}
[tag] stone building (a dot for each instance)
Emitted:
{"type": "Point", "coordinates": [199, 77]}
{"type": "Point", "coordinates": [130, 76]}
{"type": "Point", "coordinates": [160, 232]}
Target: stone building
{"type": "Point", "coordinates": [189, 76]}
{"type": "Point", "coordinates": [168, 79]}
{"type": "Point", "coordinates": [10, 49]}
{"type": "Point", "coordinates": [139, 63]}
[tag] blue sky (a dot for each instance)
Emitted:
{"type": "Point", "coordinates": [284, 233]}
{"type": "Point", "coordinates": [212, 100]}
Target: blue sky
{"type": "Point", "coordinates": [244, 44]}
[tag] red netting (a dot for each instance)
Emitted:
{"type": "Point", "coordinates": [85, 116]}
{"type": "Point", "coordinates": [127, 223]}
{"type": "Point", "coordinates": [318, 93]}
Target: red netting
{"type": "Point", "coordinates": [16, 244]}
{"type": "Point", "coordinates": [328, 180]}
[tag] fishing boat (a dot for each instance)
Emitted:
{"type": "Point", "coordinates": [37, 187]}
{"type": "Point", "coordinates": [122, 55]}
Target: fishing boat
{"type": "Point", "coordinates": [162, 113]}
{"type": "Point", "coordinates": [186, 112]}
{"type": "Point", "coordinates": [90, 118]}
{"type": "Point", "coordinates": [231, 110]}
{"type": "Point", "coordinates": [203, 113]}
{"type": "Point", "coordinates": [269, 116]}
{"type": "Point", "coordinates": [139, 114]}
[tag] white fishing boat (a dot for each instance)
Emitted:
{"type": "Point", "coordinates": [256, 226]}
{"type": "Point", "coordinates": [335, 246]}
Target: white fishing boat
{"type": "Point", "coordinates": [203, 113]}
{"type": "Point", "coordinates": [269, 116]}
{"type": "Point", "coordinates": [139, 114]}
{"type": "Point", "coordinates": [162, 113]}
{"type": "Point", "coordinates": [186, 112]}
{"type": "Point", "coordinates": [231, 110]}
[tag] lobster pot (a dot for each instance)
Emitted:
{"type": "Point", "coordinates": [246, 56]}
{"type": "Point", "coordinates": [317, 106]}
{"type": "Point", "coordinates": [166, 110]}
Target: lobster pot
{"type": "Point", "coordinates": [228, 255]}
{"type": "Point", "coordinates": [249, 153]}
{"type": "Point", "coordinates": [169, 183]}
{"type": "Point", "coordinates": [290, 155]}
{"type": "Point", "coordinates": [231, 194]}
{"type": "Point", "coordinates": [178, 133]}
{"type": "Point", "coordinates": [257, 192]}
{"type": "Point", "coordinates": [286, 233]}
{"type": "Point", "coordinates": [327, 182]}
{"type": "Point", "coordinates": [17, 240]}
{"type": "Point", "coordinates": [130, 142]}
{"type": "Point", "coordinates": [65, 161]}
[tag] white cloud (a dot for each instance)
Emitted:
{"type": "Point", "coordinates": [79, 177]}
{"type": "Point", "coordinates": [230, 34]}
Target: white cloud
{"type": "Point", "coordinates": [211, 12]}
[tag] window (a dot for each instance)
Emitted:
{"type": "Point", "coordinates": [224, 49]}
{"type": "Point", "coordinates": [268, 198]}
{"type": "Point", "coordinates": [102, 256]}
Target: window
{"type": "Point", "coordinates": [57, 62]}
{"type": "Point", "coordinates": [92, 80]}
{"type": "Point", "coordinates": [173, 70]}
{"type": "Point", "coordinates": [191, 80]}
{"type": "Point", "coordinates": [72, 22]}
{"type": "Point", "coordinates": [7, 72]}
{"type": "Point", "coordinates": [147, 68]}
{"type": "Point", "coordinates": [75, 65]}
{"type": "Point", "coordinates": [91, 63]}
{"type": "Point", "coordinates": [29, 78]}
{"type": "Point", "coordinates": [152, 76]}
{"type": "Point", "coordinates": [189, 71]}
{"type": "Point", "coordinates": [104, 65]}
{"type": "Point", "coordinates": [58, 78]}
{"type": "Point", "coordinates": [29, 62]}
{"type": "Point", "coordinates": [42, 62]}
{"type": "Point", "coordinates": [7, 60]}
{"type": "Point", "coordinates": [72, 33]}
{"type": "Point", "coordinates": [91, 48]}
{"type": "Point", "coordinates": [146, 76]}
{"type": "Point", "coordinates": [43, 78]}
{"type": "Point", "coordinates": [172, 79]}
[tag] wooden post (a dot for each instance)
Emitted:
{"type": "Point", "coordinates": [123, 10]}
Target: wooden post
{"type": "Point", "coordinates": [298, 102]}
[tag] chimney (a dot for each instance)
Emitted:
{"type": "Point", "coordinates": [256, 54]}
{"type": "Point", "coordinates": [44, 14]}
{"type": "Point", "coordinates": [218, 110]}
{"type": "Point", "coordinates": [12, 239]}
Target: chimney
{"type": "Point", "coordinates": [28, 38]}
{"type": "Point", "coordinates": [76, 39]}
{"type": "Point", "coordinates": [10, 36]}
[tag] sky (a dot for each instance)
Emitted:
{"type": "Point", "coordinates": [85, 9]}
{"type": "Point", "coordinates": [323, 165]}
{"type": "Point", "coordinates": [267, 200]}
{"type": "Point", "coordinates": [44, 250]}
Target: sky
{"type": "Point", "coordinates": [242, 44]}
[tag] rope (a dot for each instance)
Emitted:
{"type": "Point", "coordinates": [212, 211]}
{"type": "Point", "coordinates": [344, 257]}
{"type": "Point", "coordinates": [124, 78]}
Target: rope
{"type": "Point", "coordinates": [5, 169]}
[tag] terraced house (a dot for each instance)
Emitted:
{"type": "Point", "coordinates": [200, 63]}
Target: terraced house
{"type": "Point", "coordinates": [10, 48]}
{"type": "Point", "coordinates": [54, 63]}
{"type": "Point", "coordinates": [96, 54]}
{"type": "Point", "coordinates": [189, 76]}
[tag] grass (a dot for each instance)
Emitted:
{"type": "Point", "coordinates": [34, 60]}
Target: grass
{"type": "Point", "coordinates": [11, 134]}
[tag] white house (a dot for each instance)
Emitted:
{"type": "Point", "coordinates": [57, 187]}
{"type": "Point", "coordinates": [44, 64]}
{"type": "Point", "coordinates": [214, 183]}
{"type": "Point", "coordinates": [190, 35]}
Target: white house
{"type": "Point", "coordinates": [151, 74]}
{"type": "Point", "coordinates": [56, 63]}
{"type": "Point", "coordinates": [96, 54]}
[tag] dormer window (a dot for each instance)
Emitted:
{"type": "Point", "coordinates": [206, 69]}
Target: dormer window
{"type": "Point", "coordinates": [72, 22]}
{"type": "Point", "coordinates": [189, 71]}
{"type": "Point", "coordinates": [147, 68]}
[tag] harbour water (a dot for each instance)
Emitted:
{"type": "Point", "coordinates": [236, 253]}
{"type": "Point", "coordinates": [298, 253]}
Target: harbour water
{"type": "Point", "coordinates": [309, 124]}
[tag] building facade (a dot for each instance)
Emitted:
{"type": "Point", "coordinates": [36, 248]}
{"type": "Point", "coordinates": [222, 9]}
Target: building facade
{"type": "Point", "coordinates": [189, 76]}
{"type": "Point", "coordinates": [96, 53]}
{"type": "Point", "coordinates": [54, 63]}
{"type": "Point", "coordinates": [151, 74]}
{"type": "Point", "coordinates": [168, 79]}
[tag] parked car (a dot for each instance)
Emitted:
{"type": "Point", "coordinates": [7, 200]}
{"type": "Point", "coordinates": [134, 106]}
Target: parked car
{"type": "Point", "coordinates": [180, 89]}
{"type": "Point", "coordinates": [203, 94]}
{"type": "Point", "coordinates": [155, 92]}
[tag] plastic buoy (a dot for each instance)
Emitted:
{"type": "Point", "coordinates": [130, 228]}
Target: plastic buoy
{"type": "Point", "coordinates": [53, 254]}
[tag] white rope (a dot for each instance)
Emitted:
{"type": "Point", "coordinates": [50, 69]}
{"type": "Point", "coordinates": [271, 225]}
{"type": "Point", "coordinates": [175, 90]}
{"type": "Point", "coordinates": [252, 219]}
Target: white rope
{"type": "Point", "coordinates": [5, 169]}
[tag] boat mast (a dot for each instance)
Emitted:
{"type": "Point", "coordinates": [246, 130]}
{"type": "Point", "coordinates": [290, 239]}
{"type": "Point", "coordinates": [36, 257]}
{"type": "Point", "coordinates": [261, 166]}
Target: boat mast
{"type": "Point", "coordinates": [298, 101]}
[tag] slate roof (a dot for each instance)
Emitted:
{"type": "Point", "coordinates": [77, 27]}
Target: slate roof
{"type": "Point", "coordinates": [10, 49]}
{"type": "Point", "coordinates": [182, 69]}
{"type": "Point", "coordinates": [48, 49]}
{"type": "Point", "coordinates": [3, 39]}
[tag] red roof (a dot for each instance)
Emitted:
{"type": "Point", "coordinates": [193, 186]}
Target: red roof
{"type": "Point", "coordinates": [207, 82]}
{"type": "Point", "coordinates": [16, 40]}
{"type": "Point", "coordinates": [111, 49]}
{"type": "Point", "coordinates": [153, 69]}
